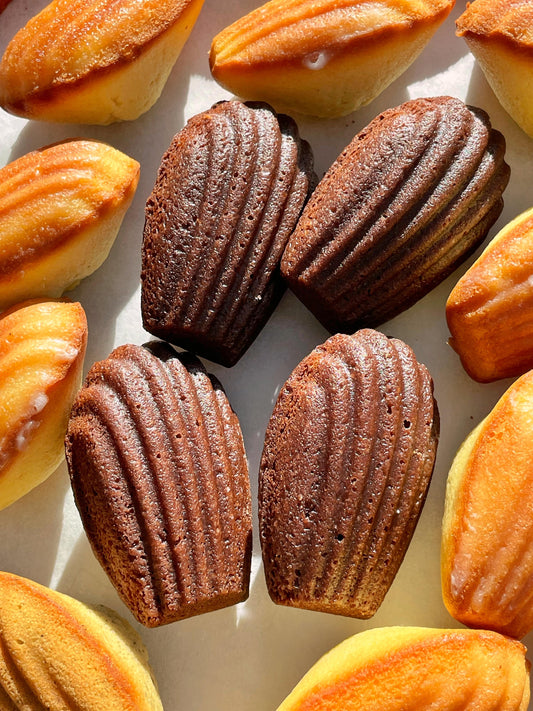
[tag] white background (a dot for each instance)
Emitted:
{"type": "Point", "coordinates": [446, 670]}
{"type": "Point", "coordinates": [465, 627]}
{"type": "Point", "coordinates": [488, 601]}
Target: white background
{"type": "Point", "coordinates": [251, 655]}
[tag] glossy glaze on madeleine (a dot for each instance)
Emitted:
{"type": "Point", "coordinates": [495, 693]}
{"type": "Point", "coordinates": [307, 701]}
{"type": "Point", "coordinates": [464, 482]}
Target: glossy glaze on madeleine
{"type": "Point", "coordinates": [405, 203]}
{"type": "Point", "coordinates": [228, 194]}
{"type": "Point", "coordinates": [490, 310]}
{"type": "Point", "coordinates": [487, 539]}
{"type": "Point", "coordinates": [42, 346]}
{"type": "Point", "coordinates": [159, 475]}
{"type": "Point", "coordinates": [57, 653]}
{"type": "Point", "coordinates": [94, 61]}
{"type": "Point", "coordinates": [323, 57]}
{"type": "Point", "coordinates": [348, 456]}
{"type": "Point", "coordinates": [60, 211]}
{"type": "Point", "coordinates": [414, 668]}
{"type": "Point", "coordinates": [499, 34]}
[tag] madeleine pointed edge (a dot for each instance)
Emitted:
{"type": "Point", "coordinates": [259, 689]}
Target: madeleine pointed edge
{"type": "Point", "coordinates": [406, 202]}
{"type": "Point", "coordinates": [498, 34]}
{"type": "Point", "coordinates": [61, 208]}
{"type": "Point", "coordinates": [58, 653]}
{"type": "Point", "coordinates": [42, 347]}
{"type": "Point", "coordinates": [228, 194]}
{"type": "Point", "coordinates": [413, 668]}
{"type": "Point", "coordinates": [322, 58]}
{"type": "Point", "coordinates": [84, 61]}
{"type": "Point", "coordinates": [348, 456]}
{"type": "Point", "coordinates": [160, 478]}
{"type": "Point", "coordinates": [490, 310]}
{"type": "Point", "coordinates": [487, 533]}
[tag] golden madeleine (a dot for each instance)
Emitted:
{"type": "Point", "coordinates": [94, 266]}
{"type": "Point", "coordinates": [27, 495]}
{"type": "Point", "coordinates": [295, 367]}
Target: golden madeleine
{"type": "Point", "coordinates": [499, 34]}
{"type": "Point", "coordinates": [57, 653]}
{"type": "Point", "coordinates": [94, 61]}
{"type": "Point", "coordinates": [42, 346]}
{"type": "Point", "coordinates": [60, 210]}
{"type": "Point", "coordinates": [487, 538]}
{"type": "Point", "coordinates": [490, 310]}
{"type": "Point", "coordinates": [414, 668]}
{"type": "Point", "coordinates": [323, 57]}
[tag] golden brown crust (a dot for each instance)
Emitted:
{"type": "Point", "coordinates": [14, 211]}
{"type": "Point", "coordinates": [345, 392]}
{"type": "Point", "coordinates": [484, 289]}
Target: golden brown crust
{"type": "Point", "coordinates": [499, 20]}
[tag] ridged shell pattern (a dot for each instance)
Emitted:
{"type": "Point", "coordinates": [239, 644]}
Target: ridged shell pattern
{"type": "Point", "coordinates": [229, 192]}
{"type": "Point", "coordinates": [71, 38]}
{"type": "Point", "coordinates": [347, 461]}
{"type": "Point", "coordinates": [413, 194]}
{"type": "Point", "coordinates": [487, 550]}
{"type": "Point", "coordinates": [160, 478]}
{"type": "Point", "coordinates": [57, 654]}
{"type": "Point", "coordinates": [499, 19]}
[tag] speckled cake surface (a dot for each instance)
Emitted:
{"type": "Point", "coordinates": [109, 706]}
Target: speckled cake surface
{"type": "Point", "coordinates": [160, 478]}
{"type": "Point", "coordinates": [348, 456]}
{"type": "Point", "coordinates": [228, 194]}
{"type": "Point", "coordinates": [405, 203]}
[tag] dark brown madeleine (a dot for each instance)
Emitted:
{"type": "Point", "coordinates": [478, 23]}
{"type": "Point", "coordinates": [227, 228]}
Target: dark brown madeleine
{"type": "Point", "coordinates": [406, 202]}
{"type": "Point", "coordinates": [228, 194]}
{"type": "Point", "coordinates": [348, 457]}
{"type": "Point", "coordinates": [159, 475]}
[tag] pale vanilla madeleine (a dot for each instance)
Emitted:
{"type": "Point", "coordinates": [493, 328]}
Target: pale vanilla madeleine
{"type": "Point", "coordinates": [42, 346]}
{"type": "Point", "coordinates": [490, 310]}
{"type": "Point", "coordinates": [323, 57]}
{"type": "Point", "coordinates": [61, 655]}
{"type": "Point", "coordinates": [94, 61]}
{"type": "Point", "coordinates": [499, 34]}
{"type": "Point", "coordinates": [60, 210]}
{"type": "Point", "coordinates": [487, 538]}
{"type": "Point", "coordinates": [414, 668]}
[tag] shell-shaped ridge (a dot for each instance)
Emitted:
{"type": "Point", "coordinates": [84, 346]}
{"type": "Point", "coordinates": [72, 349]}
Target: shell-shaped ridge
{"type": "Point", "coordinates": [228, 194]}
{"type": "Point", "coordinates": [160, 478]}
{"type": "Point", "coordinates": [348, 456]}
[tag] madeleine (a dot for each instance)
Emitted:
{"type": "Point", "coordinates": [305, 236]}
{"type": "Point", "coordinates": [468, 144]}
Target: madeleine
{"type": "Point", "coordinates": [42, 346]}
{"type": "Point", "coordinates": [87, 61]}
{"type": "Point", "coordinates": [61, 208]}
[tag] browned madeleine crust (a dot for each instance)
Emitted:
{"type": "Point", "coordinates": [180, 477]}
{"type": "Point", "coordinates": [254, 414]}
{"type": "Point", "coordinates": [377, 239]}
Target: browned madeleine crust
{"type": "Point", "coordinates": [348, 456]}
{"type": "Point", "coordinates": [86, 61]}
{"type": "Point", "coordinates": [160, 478]}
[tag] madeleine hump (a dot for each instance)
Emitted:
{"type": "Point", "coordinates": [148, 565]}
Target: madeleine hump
{"type": "Point", "coordinates": [500, 36]}
{"type": "Point", "coordinates": [160, 479]}
{"type": "Point", "coordinates": [228, 194]}
{"type": "Point", "coordinates": [61, 208]}
{"type": "Point", "coordinates": [490, 310]}
{"type": "Point", "coordinates": [487, 536]}
{"type": "Point", "coordinates": [58, 653]}
{"type": "Point", "coordinates": [416, 668]}
{"type": "Point", "coordinates": [94, 61]}
{"type": "Point", "coordinates": [42, 346]}
{"type": "Point", "coordinates": [323, 57]}
{"type": "Point", "coordinates": [347, 460]}
{"type": "Point", "coordinates": [405, 203]}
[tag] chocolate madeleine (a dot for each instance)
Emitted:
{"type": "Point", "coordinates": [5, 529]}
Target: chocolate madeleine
{"type": "Point", "coordinates": [406, 202]}
{"type": "Point", "coordinates": [348, 456]}
{"type": "Point", "coordinates": [228, 194]}
{"type": "Point", "coordinates": [159, 475]}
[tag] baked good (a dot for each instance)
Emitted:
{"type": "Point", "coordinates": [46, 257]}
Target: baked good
{"type": "Point", "coordinates": [498, 33]}
{"type": "Point", "coordinates": [405, 203]}
{"type": "Point", "coordinates": [487, 552]}
{"type": "Point", "coordinates": [228, 194]}
{"type": "Point", "coordinates": [94, 61]}
{"type": "Point", "coordinates": [57, 653]}
{"type": "Point", "coordinates": [348, 456]}
{"type": "Point", "coordinates": [490, 310]}
{"type": "Point", "coordinates": [159, 475]}
{"type": "Point", "coordinates": [60, 210]}
{"type": "Point", "coordinates": [323, 57]}
{"type": "Point", "coordinates": [413, 668]}
{"type": "Point", "coordinates": [42, 346]}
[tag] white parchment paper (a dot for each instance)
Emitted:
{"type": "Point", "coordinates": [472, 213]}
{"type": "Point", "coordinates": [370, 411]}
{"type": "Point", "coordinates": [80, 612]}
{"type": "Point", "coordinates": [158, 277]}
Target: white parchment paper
{"type": "Point", "coordinates": [250, 656]}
